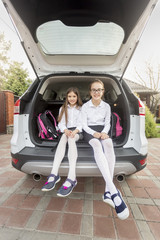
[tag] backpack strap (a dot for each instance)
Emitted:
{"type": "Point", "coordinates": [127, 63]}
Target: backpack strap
{"type": "Point", "coordinates": [49, 112]}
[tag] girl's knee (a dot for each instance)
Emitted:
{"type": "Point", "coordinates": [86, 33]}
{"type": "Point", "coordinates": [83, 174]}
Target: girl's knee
{"type": "Point", "coordinates": [107, 142]}
{"type": "Point", "coordinates": [95, 143]}
{"type": "Point", "coordinates": [71, 140]}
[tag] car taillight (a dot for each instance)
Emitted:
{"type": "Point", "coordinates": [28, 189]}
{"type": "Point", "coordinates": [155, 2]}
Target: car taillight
{"type": "Point", "coordinates": [14, 160]}
{"type": "Point", "coordinates": [141, 108]}
{"type": "Point", "coordinates": [143, 161]}
{"type": "Point", "coordinates": [17, 107]}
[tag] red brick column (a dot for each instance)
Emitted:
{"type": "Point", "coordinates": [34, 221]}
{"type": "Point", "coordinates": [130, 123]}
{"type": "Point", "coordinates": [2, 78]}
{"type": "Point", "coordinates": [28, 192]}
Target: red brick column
{"type": "Point", "coordinates": [9, 110]}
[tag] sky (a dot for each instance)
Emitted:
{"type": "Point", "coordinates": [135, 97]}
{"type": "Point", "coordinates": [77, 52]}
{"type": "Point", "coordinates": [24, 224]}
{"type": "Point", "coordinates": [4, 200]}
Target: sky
{"type": "Point", "coordinates": [148, 49]}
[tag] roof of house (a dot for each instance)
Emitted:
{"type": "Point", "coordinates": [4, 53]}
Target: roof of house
{"type": "Point", "coordinates": [139, 88]}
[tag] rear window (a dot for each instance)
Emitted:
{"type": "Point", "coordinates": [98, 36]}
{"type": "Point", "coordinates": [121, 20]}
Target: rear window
{"type": "Point", "coordinates": [101, 39]}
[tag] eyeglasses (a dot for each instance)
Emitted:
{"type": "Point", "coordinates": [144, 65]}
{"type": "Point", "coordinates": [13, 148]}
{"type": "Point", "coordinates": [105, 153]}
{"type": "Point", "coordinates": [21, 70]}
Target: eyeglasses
{"type": "Point", "coordinates": [99, 90]}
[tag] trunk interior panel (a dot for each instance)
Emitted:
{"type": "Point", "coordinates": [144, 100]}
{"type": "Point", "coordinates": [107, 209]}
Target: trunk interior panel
{"type": "Point", "coordinates": [51, 93]}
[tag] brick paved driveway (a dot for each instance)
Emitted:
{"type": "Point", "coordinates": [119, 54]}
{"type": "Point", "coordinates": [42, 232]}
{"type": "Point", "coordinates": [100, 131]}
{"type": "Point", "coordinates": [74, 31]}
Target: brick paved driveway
{"type": "Point", "coordinates": [27, 213]}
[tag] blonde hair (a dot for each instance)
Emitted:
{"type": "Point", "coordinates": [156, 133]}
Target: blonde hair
{"type": "Point", "coordinates": [96, 81]}
{"type": "Point", "coordinates": [65, 105]}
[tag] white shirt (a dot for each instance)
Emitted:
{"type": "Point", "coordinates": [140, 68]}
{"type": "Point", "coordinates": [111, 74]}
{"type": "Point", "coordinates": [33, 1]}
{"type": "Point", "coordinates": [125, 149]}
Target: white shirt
{"type": "Point", "coordinates": [96, 115]}
{"type": "Point", "coordinates": [74, 119]}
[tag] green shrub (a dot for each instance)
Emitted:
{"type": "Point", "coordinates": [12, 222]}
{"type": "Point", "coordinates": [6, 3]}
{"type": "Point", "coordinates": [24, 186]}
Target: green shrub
{"type": "Point", "coordinates": [150, 125]}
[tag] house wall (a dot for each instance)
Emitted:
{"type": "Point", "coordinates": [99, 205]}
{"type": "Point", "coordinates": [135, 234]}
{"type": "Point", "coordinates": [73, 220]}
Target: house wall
{"type": "Point", "coordinates": [9, 110]}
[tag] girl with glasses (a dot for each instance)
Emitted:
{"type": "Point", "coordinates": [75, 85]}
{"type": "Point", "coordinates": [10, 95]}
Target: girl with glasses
{"type": "Point", "coordinates": [96, 116]}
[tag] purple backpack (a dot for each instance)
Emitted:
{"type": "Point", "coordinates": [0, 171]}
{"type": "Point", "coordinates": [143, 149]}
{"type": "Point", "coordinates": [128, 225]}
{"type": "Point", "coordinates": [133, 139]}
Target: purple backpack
{"type": "Point", "coordinates": [47, 126]}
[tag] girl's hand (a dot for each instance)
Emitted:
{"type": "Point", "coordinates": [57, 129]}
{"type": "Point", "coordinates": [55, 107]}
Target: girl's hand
{"type": "Point", "coordinates": [67, 132]}
{"type": "Point", "coordinates": [104, 136]}
{"type": "Point", "coordinates": [74, 133]}
{"type": "Point", "coordinates": [97, 135]}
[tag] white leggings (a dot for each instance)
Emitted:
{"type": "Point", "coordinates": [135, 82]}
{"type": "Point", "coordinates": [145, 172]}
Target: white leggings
{"type": "Point", "coordinates": [72, 155]}
{"type": "Point", "coordinates": [105, 159]}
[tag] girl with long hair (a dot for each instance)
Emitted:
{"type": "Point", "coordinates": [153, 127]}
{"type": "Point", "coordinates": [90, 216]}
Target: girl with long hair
{"type": "Point", "coordinates": [69, 122]}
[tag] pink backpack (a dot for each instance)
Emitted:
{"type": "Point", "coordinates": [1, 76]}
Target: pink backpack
{"type": "Point", "coordinates": [47, 126]}
{"type": "Point", "coordinates": [116, 128]}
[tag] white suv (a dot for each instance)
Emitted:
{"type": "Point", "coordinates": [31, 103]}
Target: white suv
{"type": "Point", "coordinates": [70, 43]}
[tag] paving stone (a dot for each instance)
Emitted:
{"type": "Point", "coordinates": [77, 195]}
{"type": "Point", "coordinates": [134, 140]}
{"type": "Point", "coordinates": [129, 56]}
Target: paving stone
{"type": "Point", "coordinates": [127, 229]}
{"type": "Point", "coordinates": [136, 212]}
{"type": "Point", "coordinates": [19, 218]}
{"type": "Point", "coordinates": [56, 204]}
{"type": "Point", "coordinates": [103, 227]}
{"type": "Point", "coordinates": [10, 234]}
{"type": "Point", "coordinates": [86, 238]}
{"type": "Point", "coordinates": [155, 229]}
{"type": "Point", "coordinates": [153, 192]}
{"type": "Point", "coordinates": [49, 222]}
{"type": "Point", "coordinates": [146, 201]}
{"type": "Point", "coordinates": [89, 187]}
{"type": "Point", "coordinates": [157, 202]}
{"type": "Point", "coordinates": [27, 235]}
{"type": "Point", "coordinates": [88, 207]}
{"type": "Point", "coordinates": [139, 192]}
{"type": "Point", "coordinates": [5, 214]}
{"type": "Point", "coordinates": [145, 230]}
{"type": "Point", "coordinates": [88, 196]}
{"type": "Point", "coordinates": [30, 202]}
{"type": "Point", "coordinates": [42, 205]}
{"type": "Point", "coordinates": [43, 235]}
{"type": "Point", "coordinates": [34, 220]}
{"type": "Point", "coordinates": [67, 237]}
{"type": "Point", "coordinates": [127, 191]}
{"type": "Point", "coordinates": [101, 208]}
{"type": "Point", "coordinates": [150, 213]}
{"type": "Point", "coordinates": [87, 225]}
{"type": "Point", "coordinates": [71, 223]}
{"type": "Point", "coordinates": [74, 206]}
{"type": "Point", "coordinates": [97, 196]}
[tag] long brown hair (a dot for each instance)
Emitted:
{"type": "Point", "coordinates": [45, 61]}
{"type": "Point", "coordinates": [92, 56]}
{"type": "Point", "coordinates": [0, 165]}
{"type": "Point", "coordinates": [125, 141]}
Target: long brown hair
{"type": "Point", "coordinates": [65, 105]}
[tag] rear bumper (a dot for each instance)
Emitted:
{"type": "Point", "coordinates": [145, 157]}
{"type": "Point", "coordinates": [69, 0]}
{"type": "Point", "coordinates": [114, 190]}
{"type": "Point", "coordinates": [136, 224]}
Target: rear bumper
{"type": "Point", "coordinates": [39, 160]}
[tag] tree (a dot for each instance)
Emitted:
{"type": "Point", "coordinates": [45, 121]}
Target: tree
{"type": "Point", "coordinates": [12, 76]}
{"type": "Point", "coordinates": [4, 59]}
{"type": "Point", "coordinates": [17, 79]}
{"type": "Point", "coordinates": [153, 82]}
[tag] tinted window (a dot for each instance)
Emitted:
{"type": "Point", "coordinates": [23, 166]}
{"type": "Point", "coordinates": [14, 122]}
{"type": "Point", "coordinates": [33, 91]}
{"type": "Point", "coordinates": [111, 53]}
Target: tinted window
{"type": "Point", "coordinates": [101, 39]}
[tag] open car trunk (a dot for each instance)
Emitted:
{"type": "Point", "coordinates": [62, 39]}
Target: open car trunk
{"type": "Point", "coordinates": [51, 95]}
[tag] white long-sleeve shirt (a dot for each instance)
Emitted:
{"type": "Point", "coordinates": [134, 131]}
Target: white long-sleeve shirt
{"type": "Point", "coordinates": [96, 115]}
{"type": "Point", "coordinates": [74, 119]}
